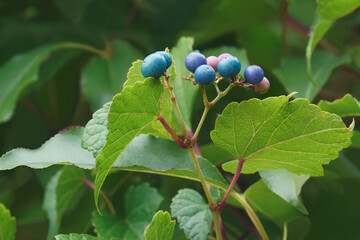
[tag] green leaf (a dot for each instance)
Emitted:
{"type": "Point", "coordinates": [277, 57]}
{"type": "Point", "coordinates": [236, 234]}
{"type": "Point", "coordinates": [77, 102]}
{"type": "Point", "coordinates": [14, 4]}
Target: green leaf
{"type": "Point", "coordinates": [62, 148]}
{"type": "Point", "coordinates": [104, 77]}
{"type": "Point", "coordinates": [132, 112]}
{"type": "Point", "coordinates": [344, 167]}
{"type": "Point", "coordinates": [345, 107]}
{"type": "Point", "coordinates": [141, 202]}
{"type": "Point", "coordinates": [75, 236]}
{"type": "Point", "coordinates": [75, 11]}
{"type": "Point", "coordinates": [60, 191]}
{"type": "Point", "coordinates": [292, 72]}
{"type": "Point", "coordinates": [327, 12]}
{"type": "Point", "coordinates": [275, 134]}
{"type": "Point", "coordinates": [18, 73]}
{"type": "Point", "coordinates": [355, 140]}
{"type": "Point", "coordinates": [287, 185]}
{"type": "Point", "coordinates": [7, 224]}
{"type": "Point", "coordinates": [193, 214]}
{"type": "Point", "coordinates": [160, 228]}
{"type": "Point", "coordinates": [184, 90]}
{"type": "Point", "coordinates": [95, 131]}
{"type": "Point", "coordinates": [237, 52]}
{"type": "Point", "coordinates": [272, 206]}
{"type": "Point", "coordinates": [134, 75]}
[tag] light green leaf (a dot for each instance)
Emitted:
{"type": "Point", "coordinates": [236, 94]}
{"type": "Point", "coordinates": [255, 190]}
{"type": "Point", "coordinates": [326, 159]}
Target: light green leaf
{"type": "Point", "coordinates": [193, 214]}
{"type": "Point", "coordinates": [141, 203]}
{"type": "Point", "coordinates": [292, 72]}
{"type": "Point", "coordinates": [345, 107]}
{"type": "Point", "coordinates": [104, 77]}
{"type": "Point", "coordinates": [18, 73]}
{"type": "Point", "coordinates": [287, 185]}
{"type": "Point", "coordinates": [61, 190]}
{"type": "Point", "coordinates": [132, 112]}
{"type": "Point", "coordinates": [327, 12]}
{"type": "Point", "coordinates": [237, 52]}
{"type": "Point", "coordinates": [75, 236]}
{"type": "Point", "coordinates": [160, 228]}
{"type": "Point", "coordinates": [134, 75]}
{"type": "Point", "coordinates": [184, 90]}
{"type": "Point", "coordinates": [7, 224]}
{"type": "Point", "coordinates": [275, 134]}
{"type": "Point", "coordinates": [272, 206]}
{"type": "Point", "coordinates": [62, 148]}
{"type": "Point", "coordinates": [95, 131]}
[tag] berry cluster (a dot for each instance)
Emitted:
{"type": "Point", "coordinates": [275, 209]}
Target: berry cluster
{"type": "Point", "coordinates": [155, 64]}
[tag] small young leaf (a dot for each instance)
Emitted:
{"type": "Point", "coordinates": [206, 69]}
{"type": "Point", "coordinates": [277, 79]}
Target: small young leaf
{"type": "Point", "coordinates": [193, 214]}
{"type": "Point", "coordinates": [345, 107]}
{"type": "Point", "coordinates": [274, 134]}
{"type": "Point", "coordinates": [141, 203]}
{"type": "Point", "coordinates": [62, 148]}
{"type": "Point", "coordinates": [104, 77]}
{"type": "Point", "coordinates": [160, 228]}
{"type": "Point", "coordinates": [134, 75]}
{"type": "Point", "coordinates": [287, 185]}
{"type": "Point", "coordinates": [7, 224]}
{"type": "Point", "coordinates": [59, 193]}
{"type": "Point", "coordinates": [75, 236]}
{"type": "Point", "coordinates": [16, 74]}
{"type": "Point", "coordinates": [95, 131]}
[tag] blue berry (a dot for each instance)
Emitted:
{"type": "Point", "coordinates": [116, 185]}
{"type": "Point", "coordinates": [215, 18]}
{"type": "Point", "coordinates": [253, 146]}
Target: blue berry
{"type": "Point", "coordinates": [167, 57]}
{"type": "Point", "coordinates": [254, 74]}
{"type": "Point", "coordinates": [193, 60]}
{"type": "Point", "coordinates": [229, 67]}
{"type": "Point", "coordinates": [205, 75]}
{"type": "Point", "coordinates": [154, 66]}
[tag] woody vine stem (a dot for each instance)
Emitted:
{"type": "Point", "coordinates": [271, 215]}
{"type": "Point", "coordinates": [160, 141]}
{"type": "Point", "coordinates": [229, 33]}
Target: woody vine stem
{"type": "Point", "coordinates": [189, 144]}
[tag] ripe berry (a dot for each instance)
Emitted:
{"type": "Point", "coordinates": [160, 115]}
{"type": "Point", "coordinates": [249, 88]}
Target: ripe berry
{"type": "Point", "coordinates": [205, 75]}
{"type": "Point", "coordinates": [213, 62]}
{"type": "Point", "coordinates": [254, 74]}
{"type": "Point", "coordinates": [193, 60]}
{"type": "Point", "coordinates": [224, 55]}
{"type": "Point", "coordinates": [167, 57]}
{"type": "Point", "coordinates": [263, 86]}
{"type": "Point", "coordinates": [154, 66]}
{"type": "Point", "coordinates": [229, 67]}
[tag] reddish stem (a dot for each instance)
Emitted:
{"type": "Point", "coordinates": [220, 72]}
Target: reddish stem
{"type": "Point", "coordinates": [196, 146]}
{"type": "Point", "coordinates": [172, 133]}
{"type": "Point", "coordinates": [297, 26]}
{"type": "Point", "coordinates": [232, 184]}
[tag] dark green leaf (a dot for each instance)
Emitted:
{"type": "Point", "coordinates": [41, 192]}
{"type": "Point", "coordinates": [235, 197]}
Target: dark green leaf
{"type": "Point", "coordinates": [75, 236]}
{"type": "Point", "coordinates": [160, 228]}
{"type": "Point", "coordinates": [7, 224]}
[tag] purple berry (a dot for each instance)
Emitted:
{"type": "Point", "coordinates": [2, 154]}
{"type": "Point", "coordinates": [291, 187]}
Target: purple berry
{"type": "Point", "coordinates": [229, 67]}
{"type": "Point", "coordinates": [224, 55]}
{"type": "Point", "coordinates": [193, 60]}
{"type": "Point", "coordinates": [263, 86]}
{"type": "Point", "coordinates": [205, 75]}
{"type": "Point", "coordinates": [213, 62]}
{"type": "Point", "coordinates": [153, 65]}
{"type": "Point", "coordinates": [254, 74]}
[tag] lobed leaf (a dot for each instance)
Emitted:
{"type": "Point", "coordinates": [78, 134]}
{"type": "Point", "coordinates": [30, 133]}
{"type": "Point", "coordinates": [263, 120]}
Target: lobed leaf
{"type": "Point", "coordinates": [193, 214]}
{"type": "Point", "coordinates": [345, 107]}
{"type": "Point", "coordinates": [160, 228]}
{"type": "Point", "coordinates": [7, 224]}
{"type": "Point", "coordinates": [275, 134]}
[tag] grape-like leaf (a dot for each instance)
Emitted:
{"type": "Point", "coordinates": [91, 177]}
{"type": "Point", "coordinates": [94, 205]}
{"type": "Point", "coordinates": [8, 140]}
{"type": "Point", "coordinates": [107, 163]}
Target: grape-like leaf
{"type": "Point", "coordinates": [104, 77]}
{"type": "Point", "coordinates": [59, 194]}
{"type": "Point", "coordinates": [345, 107]}
{"type": "Point", "coordinates": [275, 134]}
{"type": "Point", "coordinates": [18, 73]}
{"type": "Point", "coordinates": [75, 236]}
{"type": "Point", "coordinates": [141, 203]}
{"type": "Point", "coordinates": [193, 214]}
{"type": "Point", "coordinates": [134, 75]}
{"type": "Point", "coordinates": [7, 224]}
{"type": "Point", "coordinates": [95, 131]}
{"type": "Point", "coordinates": [62, 148]}
{"type": "Point", "coordinates": [160, 228]}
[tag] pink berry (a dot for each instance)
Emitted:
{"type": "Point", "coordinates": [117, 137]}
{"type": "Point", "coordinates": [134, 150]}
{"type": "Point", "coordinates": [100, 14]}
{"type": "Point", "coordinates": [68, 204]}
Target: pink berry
{"type": "Point", "coordinates": [263, 86]}
{"type": "Point", "coordinates": [213, 62]}
{"type": "Point", "coordinates": [224, 55]}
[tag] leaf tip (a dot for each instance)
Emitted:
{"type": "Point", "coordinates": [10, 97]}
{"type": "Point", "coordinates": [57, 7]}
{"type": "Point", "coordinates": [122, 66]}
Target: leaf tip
{"type": "Point", "coordinates": [352, 125]}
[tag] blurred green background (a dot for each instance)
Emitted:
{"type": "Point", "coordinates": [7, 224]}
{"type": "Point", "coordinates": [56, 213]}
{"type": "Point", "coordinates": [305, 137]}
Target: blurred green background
{"type": "Point", "coordinates": [70, 84]}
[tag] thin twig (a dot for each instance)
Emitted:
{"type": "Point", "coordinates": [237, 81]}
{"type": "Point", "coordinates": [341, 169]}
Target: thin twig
{"type": "Point", "coordinates": [172, 133]}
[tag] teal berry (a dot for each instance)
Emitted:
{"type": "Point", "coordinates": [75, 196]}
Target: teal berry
{"type": "Point", "coordinates": [153, 65]}
{"type": "Point", "coordinates": [193, 60]}
{"type": "Point", "coordinates": [229, 67]}
{"type": "Point", "coordinates": [205, 75]}
{"type": "Point", "coordinates": [167, 57]}
{"type": "Point", "coordinates": [254, 74]}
